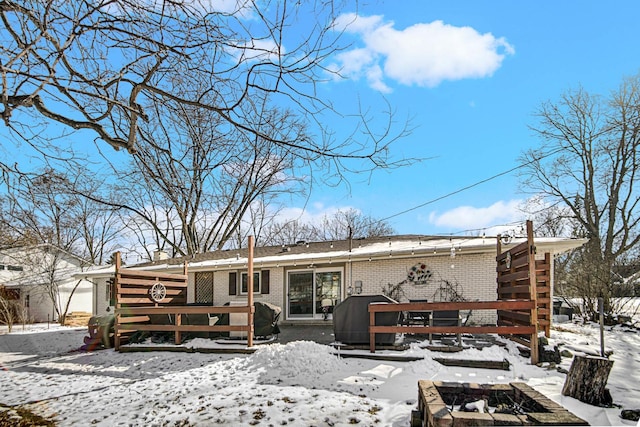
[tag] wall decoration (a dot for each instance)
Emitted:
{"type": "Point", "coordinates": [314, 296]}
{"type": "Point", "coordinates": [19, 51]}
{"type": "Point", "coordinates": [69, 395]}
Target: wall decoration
{"type": "Point", "coordinates": [158, 292]}
{"type": "Point", "coordinates": [419, 274]}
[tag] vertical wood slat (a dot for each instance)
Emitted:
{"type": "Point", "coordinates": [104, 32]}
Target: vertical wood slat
{"type": "Point", "coordinates": [519, 280]}
{"type": "Point", "coordinates": [545, 304]}
{"type": "Point", "coordinates": [372, 334]}
{"type": "Point", "coordinates": [250, 292]}
{"type": "Point", "coordinates": [116, 329]}
{"type": "Point", "coordinates": [533, 284]}
{"type": "Point", "coordinates": [178, 337]}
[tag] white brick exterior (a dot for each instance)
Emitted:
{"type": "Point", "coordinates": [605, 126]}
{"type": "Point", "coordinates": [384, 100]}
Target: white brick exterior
{"type": "Point", "coordinates": [470, 275]}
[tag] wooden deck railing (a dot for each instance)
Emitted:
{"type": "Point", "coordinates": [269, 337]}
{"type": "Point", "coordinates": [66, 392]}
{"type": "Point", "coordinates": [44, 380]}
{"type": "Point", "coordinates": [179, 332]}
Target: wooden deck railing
{"type": "Point", "coordinates": [516, 307]}
{"type": "Point", "coordinates": [131, 319]}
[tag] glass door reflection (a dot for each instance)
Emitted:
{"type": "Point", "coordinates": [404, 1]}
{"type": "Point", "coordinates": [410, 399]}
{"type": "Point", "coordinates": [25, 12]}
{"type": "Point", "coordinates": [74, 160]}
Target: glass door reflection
{"type": "Point", "coordinates": [300, 294]}
{"type": "Point", "coordinates": [327, 287]}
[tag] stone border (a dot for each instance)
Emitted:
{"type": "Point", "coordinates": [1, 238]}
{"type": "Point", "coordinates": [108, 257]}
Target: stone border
{"type": "Point", "coordinates": [435, 412]}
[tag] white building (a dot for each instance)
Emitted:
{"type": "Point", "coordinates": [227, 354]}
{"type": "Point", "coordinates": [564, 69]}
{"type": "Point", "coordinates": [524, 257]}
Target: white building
{"type": "Point", "coordinates": [42, 274]}
{"type": "Point", "coordinates": [298, 277]}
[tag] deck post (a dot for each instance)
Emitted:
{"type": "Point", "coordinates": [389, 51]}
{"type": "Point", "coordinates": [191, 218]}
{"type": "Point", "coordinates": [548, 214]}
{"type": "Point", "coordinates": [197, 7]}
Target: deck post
{"type": "Point", "coordinates": [116, 329]}
{"type": "Point", "coordinates": [178, 337]}
{"type": "Point", "coordinates": [250, 293]}
{"type": "Point", "coordinates": [372, 335]}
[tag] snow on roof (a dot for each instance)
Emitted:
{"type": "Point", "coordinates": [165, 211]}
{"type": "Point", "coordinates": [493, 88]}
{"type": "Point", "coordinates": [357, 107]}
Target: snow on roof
{"type": "Point", "coordinates": [391, 248]}
{"type": "Point", "coordinates": [345, 251]}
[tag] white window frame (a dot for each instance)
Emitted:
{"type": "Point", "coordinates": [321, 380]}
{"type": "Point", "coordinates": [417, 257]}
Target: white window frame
{"type": "Point", "coordinates": [257, 278]}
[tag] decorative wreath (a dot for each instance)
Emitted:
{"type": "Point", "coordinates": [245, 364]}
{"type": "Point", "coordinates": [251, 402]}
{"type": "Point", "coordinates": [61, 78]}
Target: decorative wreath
{"type": "Point", "coordinates": [157, 292]}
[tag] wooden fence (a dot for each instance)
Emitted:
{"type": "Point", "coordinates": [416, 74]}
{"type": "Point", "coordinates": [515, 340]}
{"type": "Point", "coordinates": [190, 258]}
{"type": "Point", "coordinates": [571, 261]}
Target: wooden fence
{"type": "Point", "coordinates": [521, 276]}
{"type": "Point", "coordinates": [523, 305]}
{"type": "Point", "coordinates": [134, 319]}
{"type": "Point", "coordinates": [520, 305]}
{"type": "Point", "coordinates": [543, 289]}
{"type": "Point", "coordinates": [156, 302]}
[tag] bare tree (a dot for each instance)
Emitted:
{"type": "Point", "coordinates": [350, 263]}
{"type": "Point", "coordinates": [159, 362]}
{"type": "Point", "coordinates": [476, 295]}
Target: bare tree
{"type": "Point", "coordinates": [98, 66]}
{"type": "Point", "coordinates": [588, 162]}
{"type": "Point", "coordinates": [339, 226]}
{"type": "Point", "coordinates": [194, 179]}
{"type": "Point", "coordinates": [350, 222]}
{"type": "Point", "coordinates": [46, 207]}
{"type": "Point", "coordinates": [554, 220]}
{"type": "Point", "coordinates": [100, 230]}
{"type": "Point", "coordinates": [35, 205]}
{"type": "Point", "coordinates": [52, 271]}
{"type": "Point", "coordinates": [116, 70]}
{"type": "Point", "coordinates": [285, 233]}
{"type": "Point", "coordinates": [258, 222]}
{"type": "Point", "coordinates": [11, 310]}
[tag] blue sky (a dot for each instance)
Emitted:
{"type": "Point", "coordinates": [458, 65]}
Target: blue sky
{"type": "Point", "coordinates": [470, 74]}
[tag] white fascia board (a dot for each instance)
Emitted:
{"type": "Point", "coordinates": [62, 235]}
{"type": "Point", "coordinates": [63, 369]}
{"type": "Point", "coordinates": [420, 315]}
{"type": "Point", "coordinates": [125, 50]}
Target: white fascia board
{"type": "Point", "coordinates": [375, 251]}
{"type": "Point", "coordinates": [394, 249]}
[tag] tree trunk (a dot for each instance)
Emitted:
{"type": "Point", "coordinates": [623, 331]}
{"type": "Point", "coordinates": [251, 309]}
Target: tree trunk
{"type": "Point", "coordinates": [587, 379]}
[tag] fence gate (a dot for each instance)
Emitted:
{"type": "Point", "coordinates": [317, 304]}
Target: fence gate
{"type": "Point", "coordinates": [521, 277]}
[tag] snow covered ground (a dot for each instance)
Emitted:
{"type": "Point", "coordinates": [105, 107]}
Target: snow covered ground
{"type": "Point", "coordinates": [297, 384]}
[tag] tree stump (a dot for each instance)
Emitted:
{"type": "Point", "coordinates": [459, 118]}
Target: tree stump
{"type": "Point", "coordinates": [587, 379]}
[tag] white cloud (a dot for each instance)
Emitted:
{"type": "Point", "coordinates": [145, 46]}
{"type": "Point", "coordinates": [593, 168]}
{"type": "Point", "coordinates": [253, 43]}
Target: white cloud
{"type": "Point", "coordinates": [312, 214]}
{"type": "Point", "coordinates": [424, 54]}
{"type": "Point", "coordinates": [476, 218]}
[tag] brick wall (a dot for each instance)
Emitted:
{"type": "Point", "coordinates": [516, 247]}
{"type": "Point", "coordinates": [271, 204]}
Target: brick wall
{"type": "Point", "coordinates": [221, 288]}
{"type": "Point", "coordinates": [471, 276]}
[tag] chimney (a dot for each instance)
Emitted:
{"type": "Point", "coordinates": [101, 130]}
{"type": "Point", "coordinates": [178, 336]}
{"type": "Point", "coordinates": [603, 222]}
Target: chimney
{"type": "Point", "coordinates": [159, 255]}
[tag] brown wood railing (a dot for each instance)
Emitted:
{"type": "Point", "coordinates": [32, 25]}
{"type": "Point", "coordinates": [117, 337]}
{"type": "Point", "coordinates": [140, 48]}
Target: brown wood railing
{"type": "Point", "coordinates": [522, 308]}
{"type": "Point", "coordinates": [136, 319]}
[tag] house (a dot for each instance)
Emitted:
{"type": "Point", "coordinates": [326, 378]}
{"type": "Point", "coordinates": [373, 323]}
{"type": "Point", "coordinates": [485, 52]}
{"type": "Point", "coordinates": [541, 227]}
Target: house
{"type": "Point", "coordinates": [43, 278]}
{"type": "Point", "coordinates": [300, 276]}
{"type": "Point", "coordinates": [626, 280]}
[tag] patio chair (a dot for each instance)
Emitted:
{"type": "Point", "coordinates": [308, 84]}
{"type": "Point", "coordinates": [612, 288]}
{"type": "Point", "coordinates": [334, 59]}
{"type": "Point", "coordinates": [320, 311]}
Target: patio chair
{"type": "Point", "coordinates": [445, 318]}
{"type": "Point", "coordinates": [417, 317]}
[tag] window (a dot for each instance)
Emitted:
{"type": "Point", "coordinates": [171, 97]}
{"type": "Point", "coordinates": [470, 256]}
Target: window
{"type": "Point", "coordinates": [261, 282]}
{"type": "Point", "coordinates": [14, 268]}
{"type": "Point", "coordinates": [256, 283]}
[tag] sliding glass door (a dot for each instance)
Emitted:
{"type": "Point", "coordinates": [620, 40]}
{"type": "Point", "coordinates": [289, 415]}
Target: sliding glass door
{"type": "Point", "coordinates": [300, 294]}
{"type": "Point", "coordinates": [309, 291]}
